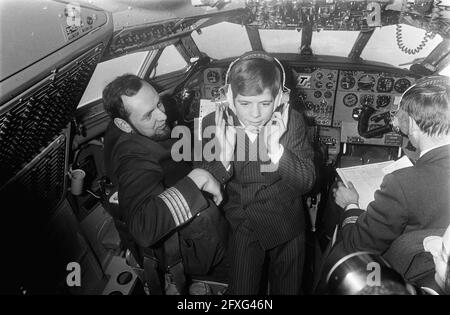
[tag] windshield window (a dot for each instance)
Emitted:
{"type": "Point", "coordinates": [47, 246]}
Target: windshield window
{"type": "Point", "coordinates": [335, 43]}
{"type": "Point", "coordinates": [169, 61]}
{"type": "Point", "coordinates": [446, 71]}
{"type": "Point", "coordinates": [108, 70]}
{"type": "Point", "coordinates": [382, 46]}
{"type": "Point", "coordinates": [280, 41]}
{"type": "Point", "coordinates": [223, 40]}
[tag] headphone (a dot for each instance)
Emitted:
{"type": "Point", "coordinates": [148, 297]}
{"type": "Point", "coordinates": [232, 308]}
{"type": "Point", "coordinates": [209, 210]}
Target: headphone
{"type": "Point", "coordinates": [435, 80]}
{"type": "Point", "coordinates": [282, 96]}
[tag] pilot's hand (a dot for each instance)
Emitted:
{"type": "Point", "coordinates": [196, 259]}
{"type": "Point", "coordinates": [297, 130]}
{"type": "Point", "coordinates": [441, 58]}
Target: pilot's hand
{"type": "Point", "coordinates": [206, 182]}
{"type": "Point", "coordinates": [344, 196]}
{"type": "Point", "coordinates": [226, 136]}
{"type": "Point", "coordinates": [273, 131]}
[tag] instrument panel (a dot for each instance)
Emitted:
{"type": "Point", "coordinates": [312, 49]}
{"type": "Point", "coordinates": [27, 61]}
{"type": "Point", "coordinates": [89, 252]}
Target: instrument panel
{"type": "Point", "coordinates": [205, 84]}
{"type": "Point", "coordinates": [359, 89]}
{"type": "Point", "coordinates": [332, 99]}
{"type": "Point", "coordinates": [316, 88]}
{"type": "Point", "coordinates": [213, 80]}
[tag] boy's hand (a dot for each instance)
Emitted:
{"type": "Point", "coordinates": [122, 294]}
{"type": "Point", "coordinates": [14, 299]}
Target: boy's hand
{"type": "Point", "coordinates": [273, 131]}
{"type": "Point", "coordinates": [206, 182]}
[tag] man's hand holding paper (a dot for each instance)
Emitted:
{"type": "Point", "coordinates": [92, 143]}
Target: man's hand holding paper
{"type": "Point", "coordinates": [366, 179]}
{"type": "Point", "coordinates": [345, 196]}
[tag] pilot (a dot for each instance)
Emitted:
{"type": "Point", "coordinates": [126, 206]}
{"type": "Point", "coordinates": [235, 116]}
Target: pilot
{"type": "Point", "coordinates": [157, 196]}
{"type": "Point", "coordinates": [264, 204]}
{"type": "Point", "coordinates": [410, 199]}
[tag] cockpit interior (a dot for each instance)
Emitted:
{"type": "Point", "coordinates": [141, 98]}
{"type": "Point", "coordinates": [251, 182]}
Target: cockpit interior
{"type": "Point", "coordinates": [347, 64]}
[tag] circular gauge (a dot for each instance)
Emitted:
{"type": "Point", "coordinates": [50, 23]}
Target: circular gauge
{"type": "Point", "coordinates": [401, 85]}
{"type": "Point", "coordinates": [366, 82]}
{"type": "Point", "coordinates": [317, 94]}
{"type": "Point", "coordinates": [319, 75]}
{"type": "Point", "coordinates": [350, 100]}
{"type": "Point", "coordinates": [348, 82]}
{"type": "Point", "coordinates": [213, 76]}
{"type": "Point", "coordinates": [328, 94]}
{"type": "Point", "coordinates": [383, 100]}
{"type": "Point", "coordinates": [329, 85]}
{"type": "Point", "coordinates": [302, 96]}
{"type": "Point", "coordinates": [330, 76]}
{"type": "Point", "coordinates": [215, 92]}
{"type": "Point", "coordinates": [367, 100]}
{"type": "Point", "coordinates": [309, 105]}
{"type": "Point", "coordinates": [385, 85]}
{"type": "Point", "coordinates": [319, 84]}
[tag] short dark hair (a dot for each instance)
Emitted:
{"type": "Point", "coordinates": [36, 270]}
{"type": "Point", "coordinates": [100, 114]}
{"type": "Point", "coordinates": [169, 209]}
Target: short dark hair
{"type": "Point", "coordinates": [429, 106]}
{"type": "Point", "coordinates": [251, 77]}
{"type": "Point", "coordinates": [127, 84]}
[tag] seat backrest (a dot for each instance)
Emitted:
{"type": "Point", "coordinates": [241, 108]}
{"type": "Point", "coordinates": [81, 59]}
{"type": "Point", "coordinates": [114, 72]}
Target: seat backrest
{"type": "Point", "coordinates": [155, 262]}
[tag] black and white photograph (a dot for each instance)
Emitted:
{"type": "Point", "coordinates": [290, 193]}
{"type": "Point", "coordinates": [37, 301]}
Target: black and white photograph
{"type": "Point", "coordinates": [236, 150]}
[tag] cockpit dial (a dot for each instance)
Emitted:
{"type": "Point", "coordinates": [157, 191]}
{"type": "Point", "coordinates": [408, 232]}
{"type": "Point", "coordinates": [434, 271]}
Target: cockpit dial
{"type": "Point", "coordinates": [348, 82]}
{"type": "Point", "coordinates": [366, 82]}
{"type": "Point", "coordinates": [309, 105]}
{"type": "Point", "coordinates": [367, 100]}
{"type": "Point", "coordinates": [213, 76]}
{"type": "Point", "coordinates": [350, 100]}
{"type": "Point", "coordinates": [385, 85]}
{"type": "Point", "coordinates": [215, 92]}
{"type": "Point", "coordinates": [401, 85]}
{"type": "Point", "coordinates": [383, 101]}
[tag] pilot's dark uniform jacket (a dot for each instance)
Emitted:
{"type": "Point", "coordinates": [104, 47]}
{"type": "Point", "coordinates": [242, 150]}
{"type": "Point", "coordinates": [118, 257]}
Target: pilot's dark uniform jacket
{"type": "Point", "coordinates": [410, 199]}
{"type": "Point", "coordinates": [265, 208]}
{"type": "Point", "coordinates": [156, 198]}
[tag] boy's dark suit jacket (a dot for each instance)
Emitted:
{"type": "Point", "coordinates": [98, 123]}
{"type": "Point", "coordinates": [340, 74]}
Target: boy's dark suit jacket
{"type": "Point", "coordinates": [270, 201]}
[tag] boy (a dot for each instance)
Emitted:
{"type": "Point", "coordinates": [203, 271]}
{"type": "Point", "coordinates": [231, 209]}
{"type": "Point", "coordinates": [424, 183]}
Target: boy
{"type": "Point", "coordinates": [264, 205]}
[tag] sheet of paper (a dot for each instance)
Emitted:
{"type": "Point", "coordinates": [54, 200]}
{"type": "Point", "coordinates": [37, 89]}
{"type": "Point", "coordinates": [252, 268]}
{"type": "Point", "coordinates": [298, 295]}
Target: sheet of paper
{"type": "Point", "coordinates": [400, 163]}
{"type": "Point", "coordinates": [368, 178]}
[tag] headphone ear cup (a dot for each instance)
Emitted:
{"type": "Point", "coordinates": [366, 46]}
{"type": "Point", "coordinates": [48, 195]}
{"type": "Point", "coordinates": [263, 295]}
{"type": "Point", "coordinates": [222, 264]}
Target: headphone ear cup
{"type": "Point", "coordinates": [285, 97]}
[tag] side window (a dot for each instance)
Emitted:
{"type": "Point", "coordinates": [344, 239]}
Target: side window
{"type": "Point", "coordinates": [445, 71]}
{"type": "Point", "coordinates": [169, 61]}
{"type": "Point", "coordinates": [107, 71]}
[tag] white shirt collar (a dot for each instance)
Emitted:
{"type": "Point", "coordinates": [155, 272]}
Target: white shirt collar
{"type": "Point", "coordinates": [251, 135]}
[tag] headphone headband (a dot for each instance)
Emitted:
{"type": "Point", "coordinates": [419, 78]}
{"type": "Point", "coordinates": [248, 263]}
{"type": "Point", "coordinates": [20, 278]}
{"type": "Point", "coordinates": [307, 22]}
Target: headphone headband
{"type": "Point", "coordinates": [434, 80]}
{"type": "Point", "coordinates": [256, 55]}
